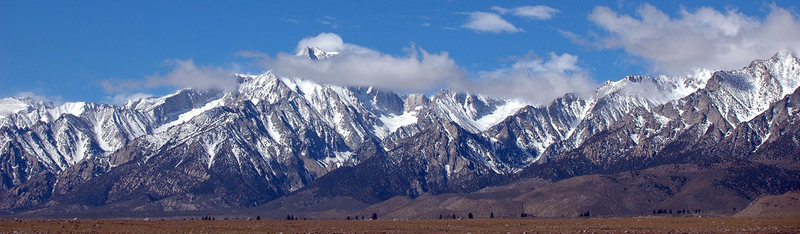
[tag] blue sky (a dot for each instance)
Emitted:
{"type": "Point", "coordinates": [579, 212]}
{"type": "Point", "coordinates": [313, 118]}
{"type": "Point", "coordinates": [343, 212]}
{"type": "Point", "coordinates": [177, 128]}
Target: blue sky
{"type": "Point", "coordinates": [89, 50]}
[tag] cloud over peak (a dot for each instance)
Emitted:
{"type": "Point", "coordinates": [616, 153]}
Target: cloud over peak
{"type": "Point", "coordinates": [184, 74]}
{"type": "Point", "coordinates": [331, 42]}
{"type": "Point", "coordinates": [534, 79]}
{"type": "Point", "coordinates": [416, 71]}
{"type": "Point", "coordinates": [537, 80]}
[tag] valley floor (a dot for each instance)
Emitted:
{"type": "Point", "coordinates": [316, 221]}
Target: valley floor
{"type": "Point", "coordinates": [637, 224]}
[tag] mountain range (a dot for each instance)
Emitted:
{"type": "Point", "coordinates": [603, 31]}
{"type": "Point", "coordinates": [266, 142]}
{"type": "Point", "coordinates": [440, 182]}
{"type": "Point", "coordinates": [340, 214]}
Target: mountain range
{"type": "Point", "coordinates": [711, 141]}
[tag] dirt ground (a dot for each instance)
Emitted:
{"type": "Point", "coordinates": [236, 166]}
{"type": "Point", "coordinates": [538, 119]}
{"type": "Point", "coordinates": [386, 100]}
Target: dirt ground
{"type": "Point", "coordinates": [643, 224]}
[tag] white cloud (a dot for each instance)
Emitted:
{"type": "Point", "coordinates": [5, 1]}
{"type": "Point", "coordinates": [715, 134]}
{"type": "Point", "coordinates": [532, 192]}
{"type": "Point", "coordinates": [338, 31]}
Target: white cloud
{"type": "Point", "coordinates": [184, 74]}
{"type": "Point", "coordinates": [539, 12]}
{"type": "Point", "coordinates": [331, 42]}
{"type": "Point", "coordinates": [250, 54]}
{"type": "Point", "coordinates": [417, 71]}
{"type": "Point", "coordinates": [329, 20]}
{"type": "Point", "coordinates": [40, 98]}
{"type": "Point", "coordinates": [489, 22]}
{"type": "Point", "coordinates": [325, 41]}
{"type": "Point", "coordinates": [538, 80]}
{"type": "Point", "coordinates": [32, 95]}
{"type": "Point", "coordinates": [37, 97]}
{"type": "Point", "coordinates": [120, 99]}
{"type": "Point", "coordinates": [535, 79]}
{"type": "Point", "coordinates": [704, 38]}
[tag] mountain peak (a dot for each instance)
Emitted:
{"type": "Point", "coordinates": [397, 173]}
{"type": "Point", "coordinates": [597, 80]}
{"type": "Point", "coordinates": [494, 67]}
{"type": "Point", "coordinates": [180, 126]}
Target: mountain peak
{"type": "Point", "coordinates": [315, 53]}
{"type": "Point", "coordinates": [784, 54]}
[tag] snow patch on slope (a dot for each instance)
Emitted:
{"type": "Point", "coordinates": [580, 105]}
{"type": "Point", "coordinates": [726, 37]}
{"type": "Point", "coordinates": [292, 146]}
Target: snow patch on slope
{"type": "Point", "coordinates": [500, 113]}
{"type": "Point", "coordinates": [191, 114]}
{"type": "Point", "coordinates": [339, 160]}
{"type": "Point", "coordinates": [73, 108]}
{"type": "Point", "coordinates": [11, 105]}
{"type": "Point", "coordinates": [273, 131]}
{"type": "Point", "coordinates": [393, 122]}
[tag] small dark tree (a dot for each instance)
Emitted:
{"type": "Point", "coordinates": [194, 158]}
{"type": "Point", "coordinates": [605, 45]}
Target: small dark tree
{"type": "Point", "coordinates": [289, 217]}
{"type": "Point", "coordinates": [470, 215]}
{"type": "Point", "coordinates": [491, 215]}
{"type": "Point", "coordinates": [258, 217]}
{"type": "Point", "coordinates": [374, 216]}
{"type": "Point", "coordinates": [348, 218]}
{"type": "Point", "coordinates": [440, 216]}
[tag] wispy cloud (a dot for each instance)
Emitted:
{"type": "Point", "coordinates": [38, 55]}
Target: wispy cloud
{"type": "Point", "coordinates": [539, 12]}
{"type": "Point", "coordinates": [330, 21]}
{"type": "Point", "coordinates": [480, 21]}
{"type": "Point", "coordinates": [120, 99]}
{"type": "Point", "coordinates": [576, 39]}
{"type": "Point", "coordinates": [184, 74]}
{"type": "Point", "coordinates": [701, 38]}
{"type": "Point", "coordinates": [38, 97]}
{"type": "Point", "coordinates": [250, 54]}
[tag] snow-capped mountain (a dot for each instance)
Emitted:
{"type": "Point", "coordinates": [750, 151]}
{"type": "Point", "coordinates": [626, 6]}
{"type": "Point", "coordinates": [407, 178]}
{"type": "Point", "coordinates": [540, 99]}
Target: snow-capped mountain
{"type": "Point", "coordinates": [272, 135]}
{"type": "Point", "coordinates": [709, 114]}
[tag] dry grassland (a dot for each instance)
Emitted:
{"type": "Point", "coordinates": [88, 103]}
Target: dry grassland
{"type": "Point", "coordinates": [643, 224]}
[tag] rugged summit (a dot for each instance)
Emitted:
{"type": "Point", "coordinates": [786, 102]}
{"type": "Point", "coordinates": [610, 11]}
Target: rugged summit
{"type": "Point", "coordinates": [273, 137]}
